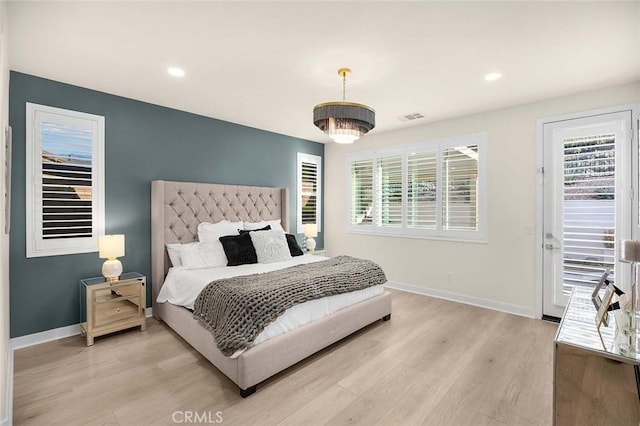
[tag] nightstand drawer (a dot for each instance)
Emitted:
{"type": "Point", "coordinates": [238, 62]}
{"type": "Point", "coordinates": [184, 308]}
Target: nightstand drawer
{"type": "Point", "coordinates": [109, 294]}
{"type": "Point", "coordinates": [132, 289]}
{"type": "Point", "coordinates": [106, 314]}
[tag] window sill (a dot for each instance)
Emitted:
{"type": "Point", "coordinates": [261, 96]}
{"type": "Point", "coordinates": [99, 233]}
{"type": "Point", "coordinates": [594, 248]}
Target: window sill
{"type": "Point", "coordinates": [392, 234]}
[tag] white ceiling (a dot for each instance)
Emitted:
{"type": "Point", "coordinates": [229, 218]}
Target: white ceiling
{"type": "Point", "coordinates": [266, 64]}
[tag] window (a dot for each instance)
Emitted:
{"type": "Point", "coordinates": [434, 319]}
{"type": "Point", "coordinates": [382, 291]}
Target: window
{"type": "Point", "coordinates": [389, 191]}
{"type": "Point", "coordinates": [361, 192]}
{"type": "Point", "coordinates": [309, 190]}
{"type": "Point", "coordinates": [460, 188]}
{"type": "Point", "coordinates": [434, 189]}
{"type": "Point", "coordinates": [421, 190]}
{"type": "Point", "coordinates": [65, 181]}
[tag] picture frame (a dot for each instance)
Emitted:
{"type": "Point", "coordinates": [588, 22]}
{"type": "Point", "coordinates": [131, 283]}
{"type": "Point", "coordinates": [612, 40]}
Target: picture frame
{"type": "Point", "coordinates": [602, 311]}
{"type": "Point", "coordinates": [8, 136]}
{"type": "Point", "coordinates": [604, 307]}
{"type": "Point", "coordinates": [595, 296]}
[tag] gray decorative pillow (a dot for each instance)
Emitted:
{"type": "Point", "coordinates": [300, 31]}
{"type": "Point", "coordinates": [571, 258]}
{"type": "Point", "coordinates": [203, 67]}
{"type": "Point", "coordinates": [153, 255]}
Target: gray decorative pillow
{"type": "Point", "coordinates": [271, 246]}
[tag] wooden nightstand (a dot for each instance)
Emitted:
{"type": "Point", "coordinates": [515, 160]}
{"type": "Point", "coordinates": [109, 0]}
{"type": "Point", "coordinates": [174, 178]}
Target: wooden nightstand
{"type": "Point", "coordinates": [319, 253]}
{"type": "Point", "coordinates": [109, 307]}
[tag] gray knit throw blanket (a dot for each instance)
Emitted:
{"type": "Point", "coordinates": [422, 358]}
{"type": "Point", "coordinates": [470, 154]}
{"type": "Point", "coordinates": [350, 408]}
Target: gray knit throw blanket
{"type": "Point", "coordinates": [237, 309]}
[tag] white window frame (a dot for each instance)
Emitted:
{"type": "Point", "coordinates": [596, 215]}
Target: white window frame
{"type": "Point", "coordinates": [315, 159]}
{"type": "Point", "coordinates": [438, 145]}
{"type": "Point", "coordinates": [36, 245]}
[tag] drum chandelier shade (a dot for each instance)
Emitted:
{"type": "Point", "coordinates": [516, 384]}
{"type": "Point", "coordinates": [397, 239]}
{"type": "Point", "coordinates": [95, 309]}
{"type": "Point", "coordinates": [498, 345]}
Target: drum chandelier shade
{"type": "Point", "coordinates": [344, 122]}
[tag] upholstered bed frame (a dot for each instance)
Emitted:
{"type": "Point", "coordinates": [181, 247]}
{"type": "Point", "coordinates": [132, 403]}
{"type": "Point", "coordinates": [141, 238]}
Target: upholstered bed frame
{"type": "Point", "coordinates": [176, 210]}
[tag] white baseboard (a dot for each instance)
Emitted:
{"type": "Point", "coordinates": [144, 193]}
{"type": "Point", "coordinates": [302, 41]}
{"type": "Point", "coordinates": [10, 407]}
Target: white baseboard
{"type": "Point", "coordinates": [54, 334]}
{"type": "Point", "coordinates": [461, 298]}
{"type": "Point", "coordinates": [8, 420]}
{"type": "Point", "coordinates": [44, 336]}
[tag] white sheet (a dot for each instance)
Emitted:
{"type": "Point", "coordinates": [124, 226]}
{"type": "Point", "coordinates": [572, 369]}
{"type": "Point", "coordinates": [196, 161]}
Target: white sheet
{"type": "Point", "coordinates": [182, 287]}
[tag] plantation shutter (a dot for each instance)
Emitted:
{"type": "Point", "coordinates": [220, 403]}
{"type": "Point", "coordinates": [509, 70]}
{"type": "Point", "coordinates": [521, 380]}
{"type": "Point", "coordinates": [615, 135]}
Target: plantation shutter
{"type": "Point", "coordinates": [65, 196]}
{"type": "Point", "coordinates": [389, 191]}
{"type": "Point", "coordinates": [433, 189]}
{"type": "Point", "coordinates": [67, 191]}
{"type": "Point", "coordinates": [460, 188]}
{"type": "Point", "coordinates": [361, 192]}
{"type": "Point", "coordinates": [589, 209]}
{"type": "Point", "coordinates": [309, 192]}
{"type": "Point", "coordinates": [421, 190]}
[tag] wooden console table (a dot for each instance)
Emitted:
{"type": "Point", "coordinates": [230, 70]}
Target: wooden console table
{"type": "Point", "coordinates": [594, 380]}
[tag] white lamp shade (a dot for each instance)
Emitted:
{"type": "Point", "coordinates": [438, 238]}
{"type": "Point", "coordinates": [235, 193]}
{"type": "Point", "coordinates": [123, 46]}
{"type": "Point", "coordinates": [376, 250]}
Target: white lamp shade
{"type": "Point", "coordinates": [630, 251]}
{"type": "Point", "coordinates": [311, 230]}
{"type": "Point", "coordinates": [110, 246]}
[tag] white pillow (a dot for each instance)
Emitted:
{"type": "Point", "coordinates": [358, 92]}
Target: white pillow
{"type": "Point", "coordinates": [211, 232]}
{"type": "Point", "coordinates": [252, 226]}
{"type": "Point", "coordinates": [203, 255]}
{"type": "Point", "coordinates": [271, 246]}
{"type": "Point", "coordinates": [174, 251]}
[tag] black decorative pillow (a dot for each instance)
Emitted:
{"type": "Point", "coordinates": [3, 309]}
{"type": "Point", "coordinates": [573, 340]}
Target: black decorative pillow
{"type": "Point", "coordinates": [294, 247]}
{"type": "Point", "coordinates": [239, 249]}
{"type": "Point", "coordinates": [245, 231]}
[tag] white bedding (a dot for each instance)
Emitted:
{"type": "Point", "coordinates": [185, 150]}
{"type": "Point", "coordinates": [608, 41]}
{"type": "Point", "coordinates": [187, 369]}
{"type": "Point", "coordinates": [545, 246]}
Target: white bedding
{"type": "Point", "coordinates": [182, 287]}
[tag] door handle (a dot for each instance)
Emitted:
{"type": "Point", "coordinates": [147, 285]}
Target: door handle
{"type": "Point", "coordinates": [551, 247]}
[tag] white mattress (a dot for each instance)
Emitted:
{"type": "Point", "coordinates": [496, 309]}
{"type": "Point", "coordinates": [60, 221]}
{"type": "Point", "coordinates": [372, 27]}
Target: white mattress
{"type": "Point", "coordinates": [182, 287]}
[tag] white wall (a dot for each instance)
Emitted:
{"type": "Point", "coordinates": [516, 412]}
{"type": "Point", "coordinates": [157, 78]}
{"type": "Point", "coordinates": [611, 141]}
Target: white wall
{"type": "Point", "coordinates": [5, 359]}
{"type": "Point", "coordinates": [501, 271]}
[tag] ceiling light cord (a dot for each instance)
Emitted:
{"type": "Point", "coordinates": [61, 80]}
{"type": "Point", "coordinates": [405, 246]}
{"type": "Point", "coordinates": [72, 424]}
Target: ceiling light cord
{"type": "Point", "coordinates": [344, 86]}
{"type": "Point", "coordinates": [344, 72]}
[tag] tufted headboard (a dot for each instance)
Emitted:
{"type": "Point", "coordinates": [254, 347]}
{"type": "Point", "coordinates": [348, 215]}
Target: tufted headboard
{"type": "Point", "coordinates": [178, 207]}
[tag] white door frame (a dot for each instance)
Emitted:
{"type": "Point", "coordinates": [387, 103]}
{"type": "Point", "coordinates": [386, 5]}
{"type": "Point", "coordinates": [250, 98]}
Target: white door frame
{"type": "Point", "coordinates": [635, 231]}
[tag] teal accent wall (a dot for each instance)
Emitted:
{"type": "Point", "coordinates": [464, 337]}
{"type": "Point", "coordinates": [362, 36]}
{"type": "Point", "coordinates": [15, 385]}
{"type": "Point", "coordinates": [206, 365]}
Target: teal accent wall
{"type": "Point", "coordinates": [143, 142]}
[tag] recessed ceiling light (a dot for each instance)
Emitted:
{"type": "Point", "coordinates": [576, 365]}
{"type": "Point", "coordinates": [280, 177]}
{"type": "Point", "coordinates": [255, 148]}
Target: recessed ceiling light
{"type": "Point", "coordinates": [493, 76]}
{"type": "Point", "coordinates": [176, 72]}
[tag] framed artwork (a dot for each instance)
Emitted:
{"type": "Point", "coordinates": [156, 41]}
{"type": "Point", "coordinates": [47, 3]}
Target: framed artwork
{"type": "Point", "coordinates": [7, 179]}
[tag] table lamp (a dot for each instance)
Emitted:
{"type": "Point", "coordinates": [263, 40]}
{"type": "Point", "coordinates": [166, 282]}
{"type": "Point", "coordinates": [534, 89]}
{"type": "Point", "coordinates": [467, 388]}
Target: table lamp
{"type": "Point", "coordinates": [111, 247]}
{"type": "Point", "coordinates": [311, 231]}
{"type": "Point", "coordinates": [630, 253]}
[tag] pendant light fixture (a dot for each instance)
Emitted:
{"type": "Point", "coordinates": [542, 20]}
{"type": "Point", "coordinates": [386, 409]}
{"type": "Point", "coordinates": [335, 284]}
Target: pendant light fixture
{"type": "Point", "coordinates": [344, 122]}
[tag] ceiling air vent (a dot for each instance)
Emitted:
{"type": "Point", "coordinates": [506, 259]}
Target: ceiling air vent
{"type": "Point", "coordinates": [410, 117]}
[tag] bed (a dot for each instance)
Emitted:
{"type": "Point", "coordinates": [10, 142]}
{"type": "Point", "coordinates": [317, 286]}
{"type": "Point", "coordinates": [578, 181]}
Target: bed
{"type": "Point", "coordinates": [177, 208]}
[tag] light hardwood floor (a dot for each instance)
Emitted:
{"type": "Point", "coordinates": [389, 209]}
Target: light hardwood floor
{"type": "Point", "coordinates": [436, 363]}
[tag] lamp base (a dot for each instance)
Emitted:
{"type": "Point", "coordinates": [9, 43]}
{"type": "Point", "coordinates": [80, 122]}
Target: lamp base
{"type": "Point", "coordinates": [111, 269]}
{"type": "Point", "coordinates": [311, 244]}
